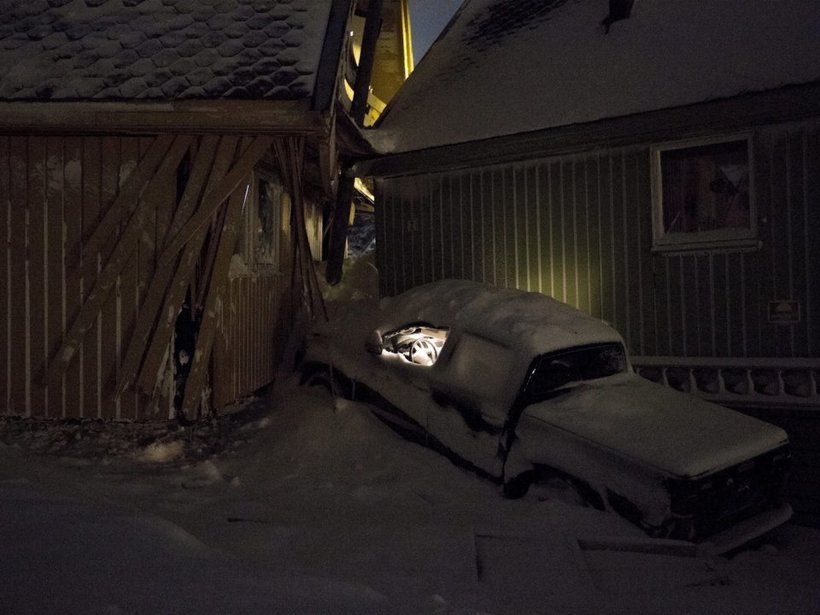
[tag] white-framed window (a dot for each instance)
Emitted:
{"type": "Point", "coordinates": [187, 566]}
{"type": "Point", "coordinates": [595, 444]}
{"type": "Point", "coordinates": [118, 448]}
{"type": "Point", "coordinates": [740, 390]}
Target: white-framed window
{"type": "Point", "coordinates": [702, 193]}
{"type": "Point", "coordinates": [259, 236]}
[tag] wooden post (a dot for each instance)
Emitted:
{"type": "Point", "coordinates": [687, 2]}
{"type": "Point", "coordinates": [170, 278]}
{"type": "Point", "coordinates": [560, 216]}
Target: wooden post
{"type": "Point", "coordinates": [290, 153]}
{"type": "Point", "coordinates": [358, 108]}
{"type": "Point", "coordinates": [361, 88]}
{"type": "Point", "coordinates": [339, 229]}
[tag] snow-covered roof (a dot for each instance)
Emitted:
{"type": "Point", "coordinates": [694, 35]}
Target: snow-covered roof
{"type": "Point", "coordinates": [160, 49]}
{"type": "Point", "coordinates": [530, 322]}
{"type": "Point", "coordinates": [510, 66]}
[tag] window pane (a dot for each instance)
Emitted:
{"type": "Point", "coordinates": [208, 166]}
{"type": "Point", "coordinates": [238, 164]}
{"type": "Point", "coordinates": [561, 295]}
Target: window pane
{"type": "Point", "coordinates": [558, 369]}
{"type": "Point", "coordinates": [706, 188]}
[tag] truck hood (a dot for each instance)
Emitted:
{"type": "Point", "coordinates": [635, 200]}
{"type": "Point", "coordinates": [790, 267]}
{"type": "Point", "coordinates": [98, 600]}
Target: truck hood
{"type": "Point", "coordinates": [676, 433]}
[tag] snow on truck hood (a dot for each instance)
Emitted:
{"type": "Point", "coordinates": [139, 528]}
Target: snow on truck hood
{"type": "Point", "coordinates": [673, 432]}
{"type": "Point", "coordinates": [529, 322]}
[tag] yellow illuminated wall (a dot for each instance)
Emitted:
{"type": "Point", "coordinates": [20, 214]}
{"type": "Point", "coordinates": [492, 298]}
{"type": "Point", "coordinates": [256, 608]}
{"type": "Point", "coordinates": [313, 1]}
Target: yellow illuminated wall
{"type": "Point", "coordinates": [394, 54]}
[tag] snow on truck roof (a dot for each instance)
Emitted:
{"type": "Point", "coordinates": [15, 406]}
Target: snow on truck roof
{"type": "Point", "coordinates": [527, 321]}
{"type": "Point", "coordinates": [510, 66]}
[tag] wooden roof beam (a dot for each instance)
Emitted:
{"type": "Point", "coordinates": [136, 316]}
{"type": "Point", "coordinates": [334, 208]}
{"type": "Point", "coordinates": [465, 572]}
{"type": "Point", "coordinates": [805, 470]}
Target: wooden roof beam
{"type": "Point", "coordinates": [199, 117]}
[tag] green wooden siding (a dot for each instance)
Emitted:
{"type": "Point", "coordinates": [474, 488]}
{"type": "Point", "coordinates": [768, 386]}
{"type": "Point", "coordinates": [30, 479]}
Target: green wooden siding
{"type": "Point", "coordinates": [579, 228]}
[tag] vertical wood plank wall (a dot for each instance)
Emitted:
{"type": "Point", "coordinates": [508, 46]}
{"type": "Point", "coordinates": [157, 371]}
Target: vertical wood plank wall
{"type": "Point", "coordinates": [249, 333]}
{"type": "Point", "coordinates": [579, 228]}
{"type": "Point", "coordinates": [53, 191]}
{"type": "Point", "coordinates": [257, 315]}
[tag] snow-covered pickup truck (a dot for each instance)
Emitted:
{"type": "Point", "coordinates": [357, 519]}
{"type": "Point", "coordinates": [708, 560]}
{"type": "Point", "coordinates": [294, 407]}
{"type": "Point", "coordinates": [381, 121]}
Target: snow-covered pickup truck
{"type": "Point", "coordinates": [519, 387]}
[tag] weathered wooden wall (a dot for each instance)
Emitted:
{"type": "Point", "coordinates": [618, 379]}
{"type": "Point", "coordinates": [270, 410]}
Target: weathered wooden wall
{"type": "Point", "coordinates": [245, 356]}
{"type": "Point", "coordinates": [257, 315]}
{"type": "Point", "coordinates": [52, 193]}
{"type": "Point", "coordinates": [579, 228]}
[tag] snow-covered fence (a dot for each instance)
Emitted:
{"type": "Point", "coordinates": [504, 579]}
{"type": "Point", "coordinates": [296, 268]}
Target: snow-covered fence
{"type": "Point", "coordinates": [738, 381]}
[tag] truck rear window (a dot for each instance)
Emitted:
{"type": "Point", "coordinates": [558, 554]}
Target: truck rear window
{"type": "Point", "coordinates": [558, 369]}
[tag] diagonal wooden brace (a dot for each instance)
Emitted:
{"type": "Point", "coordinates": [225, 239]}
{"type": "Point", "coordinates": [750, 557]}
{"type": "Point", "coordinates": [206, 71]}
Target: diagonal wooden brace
{"type": "Point", "coordinates": [107, 278]}
{"type": "Point", "coordinates": [170, 297]}
{"type": "Point", "coordinates": [216, 291]}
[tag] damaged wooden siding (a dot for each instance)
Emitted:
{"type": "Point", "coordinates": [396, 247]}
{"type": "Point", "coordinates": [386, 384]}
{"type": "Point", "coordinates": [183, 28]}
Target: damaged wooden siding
{"type": "Point", "coordinates": [103, 238]}
{"type": "Point", "coordinates": [579, 228]}
{"type": "Point", "coordinates": [53, 191]}
{"type": "Point", "coordinates": [257, 315]}
{"type": "Point", "coordinates": [257, 311]}
{"type": "Point", "coordinates": [245, 356]}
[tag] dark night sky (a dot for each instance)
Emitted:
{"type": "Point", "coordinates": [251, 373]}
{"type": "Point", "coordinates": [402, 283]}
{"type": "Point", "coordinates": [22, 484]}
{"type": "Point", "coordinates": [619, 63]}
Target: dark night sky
{"type": "Point", "coordinates": [428, 18]}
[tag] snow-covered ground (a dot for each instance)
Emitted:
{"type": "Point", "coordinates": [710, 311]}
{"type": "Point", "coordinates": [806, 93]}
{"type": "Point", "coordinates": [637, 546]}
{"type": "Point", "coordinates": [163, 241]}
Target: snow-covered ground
{"type": "Point", "coordinates": [313, 506]}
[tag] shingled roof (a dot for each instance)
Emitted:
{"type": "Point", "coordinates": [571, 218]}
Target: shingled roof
{"type": "Point", "coordinates": [114, 50]}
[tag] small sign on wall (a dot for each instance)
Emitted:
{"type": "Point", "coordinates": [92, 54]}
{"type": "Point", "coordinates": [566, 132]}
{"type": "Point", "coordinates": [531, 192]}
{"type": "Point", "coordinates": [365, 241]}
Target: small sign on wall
{"type": "Point", "coordinates": [784, 312]}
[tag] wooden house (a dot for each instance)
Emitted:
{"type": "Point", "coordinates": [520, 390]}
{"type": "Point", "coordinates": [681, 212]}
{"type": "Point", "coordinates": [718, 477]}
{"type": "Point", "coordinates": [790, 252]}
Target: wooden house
{"type": "Point", "coordinates": [163, 167]}
{"type": "Point", "coordinates": [657, 167]}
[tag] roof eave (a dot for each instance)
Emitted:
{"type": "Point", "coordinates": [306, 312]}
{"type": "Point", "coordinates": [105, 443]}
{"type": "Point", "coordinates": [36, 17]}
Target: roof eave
{"type": "Point", "coordinates": [188, 116]}
{"type": "Point", "coordinates": [788, 103]}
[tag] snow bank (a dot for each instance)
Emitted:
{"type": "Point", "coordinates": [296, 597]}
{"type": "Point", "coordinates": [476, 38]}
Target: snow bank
{"type": "Point", "coordinates": [334, 513]}
{"type": "Point", "coordinates": [161, 452]}
{"type": "Point", "coordinates": [360, 282]}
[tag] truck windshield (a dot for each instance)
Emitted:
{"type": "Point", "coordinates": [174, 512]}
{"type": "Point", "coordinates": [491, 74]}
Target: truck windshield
{"type": "Point", "coordinates": [557, 369]}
